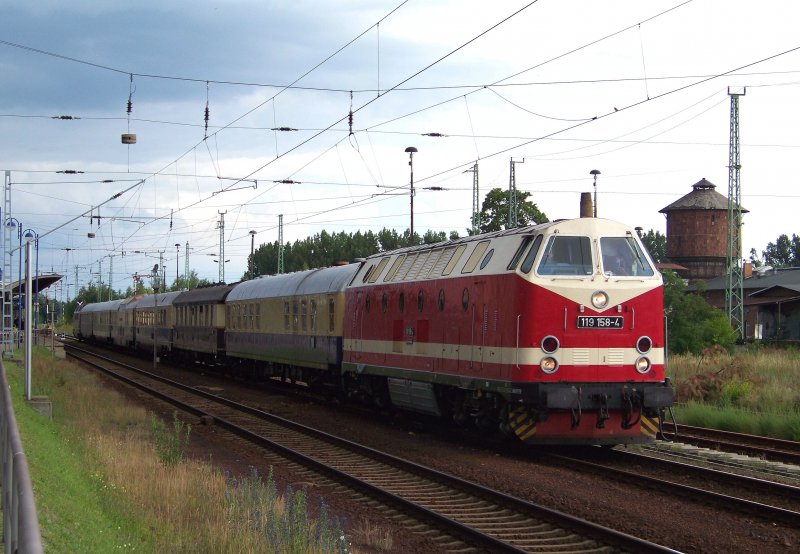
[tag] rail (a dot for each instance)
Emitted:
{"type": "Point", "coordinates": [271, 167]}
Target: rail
{"type": "Point", "coordinates": [20, 522]}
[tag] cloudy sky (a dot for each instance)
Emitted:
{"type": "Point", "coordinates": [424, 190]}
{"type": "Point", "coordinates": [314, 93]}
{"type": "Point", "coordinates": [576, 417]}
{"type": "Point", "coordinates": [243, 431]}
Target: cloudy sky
{"type": "Point", "coordinates": [637, 90]}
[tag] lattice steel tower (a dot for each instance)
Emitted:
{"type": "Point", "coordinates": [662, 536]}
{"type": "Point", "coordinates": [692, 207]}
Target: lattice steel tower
{"type": "Point", "coordinates": [280, 244]}
{"type": "Point", "coordinates": [476, 202]}
{"type": "Point", "coordinates": [734, 304]}
{"type": "Point", "coordinates": [221, 227]}
{"type": "Point", "coordinates": [7, 336]}
{"type": "Point", "coordinates": [512, 194]}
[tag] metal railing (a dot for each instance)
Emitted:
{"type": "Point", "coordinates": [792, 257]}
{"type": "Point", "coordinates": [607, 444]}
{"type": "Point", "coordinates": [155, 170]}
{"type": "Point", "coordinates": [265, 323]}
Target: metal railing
{"type": "Point", "coordinates": [20, 522]}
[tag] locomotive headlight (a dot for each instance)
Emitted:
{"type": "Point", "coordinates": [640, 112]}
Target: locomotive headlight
{"type": "Point", "coordinates": [643, 364]}
{"type": "Point", "coordinates": [549, 365]}
{"type": "Point", "coordinates": [550, 344]}
{"type": "Point", "coordinates": [643, 345]}
{"type": "Point", "coordinates": [599, 300]}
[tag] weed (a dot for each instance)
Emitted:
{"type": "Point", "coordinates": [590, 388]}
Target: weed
{"type": "Point", "coordinates": [170, 445]}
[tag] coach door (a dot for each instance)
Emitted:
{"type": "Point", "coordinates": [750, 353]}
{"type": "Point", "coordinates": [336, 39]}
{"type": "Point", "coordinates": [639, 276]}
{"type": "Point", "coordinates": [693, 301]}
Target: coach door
{"type": "Point", "coordinates": [357, 323]}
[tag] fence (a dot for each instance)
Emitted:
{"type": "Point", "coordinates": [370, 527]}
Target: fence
{"type": "Point", "coordinates": [20, 522]}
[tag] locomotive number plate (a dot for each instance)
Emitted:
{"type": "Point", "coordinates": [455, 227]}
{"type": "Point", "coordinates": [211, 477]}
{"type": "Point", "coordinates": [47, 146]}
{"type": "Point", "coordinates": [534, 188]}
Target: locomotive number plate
{"type": "Point", "coordinates": [599, 322]}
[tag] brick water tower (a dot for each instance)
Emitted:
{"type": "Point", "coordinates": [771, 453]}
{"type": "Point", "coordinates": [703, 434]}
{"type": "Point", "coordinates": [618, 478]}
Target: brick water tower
{"type": "Point", "coordinates": [697, 231]}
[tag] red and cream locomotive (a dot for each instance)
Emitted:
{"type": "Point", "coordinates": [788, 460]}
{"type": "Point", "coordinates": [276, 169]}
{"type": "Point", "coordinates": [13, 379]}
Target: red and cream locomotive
{"type": "Point", "coordinates": [552, 332]}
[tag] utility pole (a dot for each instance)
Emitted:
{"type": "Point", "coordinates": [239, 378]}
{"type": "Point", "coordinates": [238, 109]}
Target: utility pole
{"type": "Point", "coordinates": [280, 244]}
{"type": "Point", "coordinates": [512, 194]}
{"type": "Point", "coordinates": [221, 227]}
{"type": "Point", "coordinates": [476, 207]}
{"type": "Point", "coordinates": [734, 293]}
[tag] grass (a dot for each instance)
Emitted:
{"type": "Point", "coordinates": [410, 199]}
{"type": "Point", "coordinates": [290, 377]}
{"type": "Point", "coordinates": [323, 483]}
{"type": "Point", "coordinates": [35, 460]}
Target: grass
{"type": "Point", "coordinates": [752, 391]}
{"type": "Point", "coordinates": [102, 484]}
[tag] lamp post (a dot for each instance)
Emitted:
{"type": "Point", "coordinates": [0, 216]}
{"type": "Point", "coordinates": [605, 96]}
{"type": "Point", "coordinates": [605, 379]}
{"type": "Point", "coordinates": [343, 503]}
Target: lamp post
{"type": "Point", "coordinates": [177, 259]}
{"type": "Point", "coordinates": [252, 241]}
{"type": "Point", "coordinates": [13, 223]}
{"type": "Point", "coordinates": [595, 173]}
{"type": "Point", "coordinates": [31, 234]}
{"type": "Point", "coordinates": [411, 151]}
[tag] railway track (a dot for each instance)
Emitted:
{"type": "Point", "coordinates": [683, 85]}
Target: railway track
{"type": "Point", "coordinates": [467, 516]}
{"type": "Point", "coordinates": [752, 445]}
{"type": "Point", "coordinates": [776, 502]}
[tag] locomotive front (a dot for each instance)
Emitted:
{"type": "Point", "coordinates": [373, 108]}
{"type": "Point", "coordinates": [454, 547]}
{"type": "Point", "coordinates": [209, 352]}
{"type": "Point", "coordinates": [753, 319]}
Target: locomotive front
{"type": "Point", "coordinates": [593, 335]}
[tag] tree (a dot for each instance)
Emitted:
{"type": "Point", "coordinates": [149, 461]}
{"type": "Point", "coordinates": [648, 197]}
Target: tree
{"type": "Point", "coordinates": [656, 245]}
{"type": "Point", "coordinates": [494, 211]}
{"type": "Point", "coordinates": [693, 324]}
{"type": "Point", "coordinates": [783, 252]}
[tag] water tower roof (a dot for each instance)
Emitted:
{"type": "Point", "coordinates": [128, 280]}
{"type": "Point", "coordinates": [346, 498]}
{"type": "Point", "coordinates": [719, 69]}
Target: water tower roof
{"type": "Point", "coordinates": [702, 197]}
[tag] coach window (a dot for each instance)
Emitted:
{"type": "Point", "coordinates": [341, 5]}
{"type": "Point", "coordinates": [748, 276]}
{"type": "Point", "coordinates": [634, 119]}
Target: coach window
{"type": "Point", "coordinates": [296, 315]}
{"type": "Point", "coordinates": [304, 314]}
{"type": "Point", "coordinates": [331, 315]}
{"type": "Point", "coordinates": [420, 300]}
{"type": "Point", "coordinates": [313, 315]}
{"type": "Point", "coordinates": [531, 257]}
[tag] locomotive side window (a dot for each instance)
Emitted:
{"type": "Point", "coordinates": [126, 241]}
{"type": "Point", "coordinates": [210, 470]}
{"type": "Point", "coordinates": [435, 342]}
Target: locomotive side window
{"type": "Point", "coordinates": [420, 300]}
{"type": "Point", "coordinates": [395, 266]}
{"type": "Point", "coordinates": [451, 264]}
{"type": "Point", "coordinates": [378, 270]}
{"type": "Point", "coordinates": [622, 256]}
{"type": "Point", "coordinates": [527, 264]}
{"type": "Point", "coordinates": [486, 258]}
{"type": "Point", "coordinates": [566, 256]}
{"type": "Point", "coordinates": [518, 254]}
{"type": "Point", "coordinates": [477, 253]}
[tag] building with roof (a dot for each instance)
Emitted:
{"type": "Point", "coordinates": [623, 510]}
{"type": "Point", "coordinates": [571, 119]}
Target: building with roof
{"type": "Point", "coordinates": [697, 232]}
{"type": "Point", "coordinates": [771, 302]}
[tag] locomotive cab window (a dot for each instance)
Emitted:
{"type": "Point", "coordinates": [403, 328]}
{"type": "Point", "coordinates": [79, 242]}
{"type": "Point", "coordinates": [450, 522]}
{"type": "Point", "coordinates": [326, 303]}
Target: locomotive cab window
{"type": "Point", "coordinates": [527, 264]}
{"type": "Point", "coordinates": [566, 256]}
{"type": "Point", "coordinates": [622, 256]}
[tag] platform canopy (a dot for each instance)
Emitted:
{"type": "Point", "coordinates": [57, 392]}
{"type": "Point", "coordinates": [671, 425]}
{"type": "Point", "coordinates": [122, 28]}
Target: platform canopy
{"type": "Point", "coordinates": [40, 282]}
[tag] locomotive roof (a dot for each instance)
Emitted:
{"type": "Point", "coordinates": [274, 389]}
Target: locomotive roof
{"type": "Point", "coordinates": [577, 225]}
{"type": "Point", "coordinates": [465, 240]}
{"type": "Point", "coordinates": [314, 281]}
{"type": "Point", "coordinates": [203, 295]}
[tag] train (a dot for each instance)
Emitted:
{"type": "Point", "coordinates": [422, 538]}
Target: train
{"type": "Point", "coordinates": [549, 333]}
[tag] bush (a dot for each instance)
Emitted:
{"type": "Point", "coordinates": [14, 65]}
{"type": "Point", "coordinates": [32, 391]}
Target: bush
{"type": "Point", "coordinates": [170, 445]}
